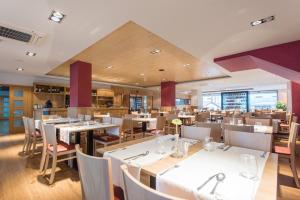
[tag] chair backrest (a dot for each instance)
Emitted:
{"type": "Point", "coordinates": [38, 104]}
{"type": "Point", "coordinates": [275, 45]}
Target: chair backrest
{"type": "Point", "coordinates": [161, 122]}
{"type": "Point", "coordinates": [46, 117]}
{"type": "Point", "coordinates": [216, 129]}
{"type": "Point", "coordinates": [194, 132]}
{"type": "Point", "coordinates": [135, 190]}
{"type": "Point", "coordinates": [256, 141]}
{"type": "Point", "coordinates": [117, 121]}
{"type": "Point", "coordinates": [259, 121]}
{"type": "Point", "coordinates": [106, 120]}
{"type": "Point", "coordinates": [294, 131]}
{"type": "Point", "coordinates": [243, 128]}
{"type": "Point", "coordinates": [50, 134]}
{"type": "Point", "coordinates": [95, 176]}
{"type": "Point", "coordinates": [31, 126]}
{"type": "Point", "coordinates": [154, 115]}
{"type": "Point", "coordinates": [25, 122]}
{"type": "Point", "coordinates": [130, 116]}
{"type": "Point", "coordinates": [235, 120]}
{"type": "Point", "coordinates": [80, 117]}
{"type": "Point", "coordinates": [87, 117]}
{"type": "Point", "coordinates": [202, 116]}
{"type": "Point", "coordinates": [170, 117]}
{"type": "Point", "coordinates": [127, 124]}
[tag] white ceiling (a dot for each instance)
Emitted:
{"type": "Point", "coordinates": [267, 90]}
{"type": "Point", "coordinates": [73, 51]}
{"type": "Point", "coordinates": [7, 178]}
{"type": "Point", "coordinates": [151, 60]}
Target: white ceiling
{"type": "Point", "coordinates": [204, 28]}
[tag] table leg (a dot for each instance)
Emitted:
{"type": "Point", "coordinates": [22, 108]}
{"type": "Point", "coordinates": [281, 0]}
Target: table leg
{"type": "Point", "coordinates": [144, 128]}
{"type": "Point", "coordinates": [90, 142]}
{"type": "Point", "coordinates": [153, 182]}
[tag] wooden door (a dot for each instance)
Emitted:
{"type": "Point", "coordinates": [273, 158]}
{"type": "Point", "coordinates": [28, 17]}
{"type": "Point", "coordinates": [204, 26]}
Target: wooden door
{"type": "Point", "coordinates": [20, 99]}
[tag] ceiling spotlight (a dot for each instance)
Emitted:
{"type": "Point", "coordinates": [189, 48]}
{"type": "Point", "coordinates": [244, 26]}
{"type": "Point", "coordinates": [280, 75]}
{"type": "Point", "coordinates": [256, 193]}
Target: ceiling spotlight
{"type": "Point", "coordinates": [261, 21]}
{"type": "Point", "coordinates": [20, 69]}
{"type": "Point", "coordinates": [164, 79]}
{"type": "Point", "coordinates": [109, 67]}
{"type": "Point", "coordinates": [142, 74]}
{"type": "Point", "coordinates": [155, 51]}
{"type": "Point", "coordinates": [137, 83]}
{"type": "Point", "coordinates": [56, 16]}
{"type": "Point", "coordinates": [28, 53]}
{"type": "Point", "coordinates": [187, 65]}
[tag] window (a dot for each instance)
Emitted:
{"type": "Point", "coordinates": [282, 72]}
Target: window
{"type": "Point", "coordinates": [182, 102]}
{"type": "Point", "coordinates": [263, 100]}
{"type": "Point", "coordinates": [212, 100]}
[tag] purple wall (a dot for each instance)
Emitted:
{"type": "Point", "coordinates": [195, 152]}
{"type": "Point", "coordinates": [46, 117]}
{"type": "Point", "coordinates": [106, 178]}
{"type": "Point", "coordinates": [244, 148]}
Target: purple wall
{"type": "Point", "coordinates": [80, 84]}
{"type": "Point", "coordinates": [168, 93]}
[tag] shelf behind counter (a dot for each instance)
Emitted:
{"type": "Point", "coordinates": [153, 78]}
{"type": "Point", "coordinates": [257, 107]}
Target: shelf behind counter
{"type": "Point", "coordinates": [63, 112]}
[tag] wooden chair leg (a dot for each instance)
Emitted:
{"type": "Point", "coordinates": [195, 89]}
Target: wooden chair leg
{"type": "Point", "coordinates": [33, 147]}
{"type": "Point", "coordinates": [46, 164]}
{"type": "Point", "coordinates": [29, 145]}
{"type": "Point", "coordinates": [25, 143]}
{"type": "Point", "coordinates": [54, 162]}
{"type": "Point", "coordinates": [43, 159]}
{"type": "Point", "coordinates": [294, 170]}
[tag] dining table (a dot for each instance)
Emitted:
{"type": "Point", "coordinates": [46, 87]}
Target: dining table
{"type": "Point", "coordinates": [182, 176]}
{"type": "Point", "coordinates": [67, 130]}
{"type": "Point", "coordinates": [152, 123]}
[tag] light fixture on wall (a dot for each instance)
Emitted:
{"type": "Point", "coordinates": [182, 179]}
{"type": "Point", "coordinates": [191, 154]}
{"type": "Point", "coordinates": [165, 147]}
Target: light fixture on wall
{"type": "Point", "coordinates": [31, 54]}
{"type": "Point", "coordinates": [155, 51]}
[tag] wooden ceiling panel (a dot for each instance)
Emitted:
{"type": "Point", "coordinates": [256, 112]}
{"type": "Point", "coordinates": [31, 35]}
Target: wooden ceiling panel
{"type": "Point", "coordinates": [127, 50]}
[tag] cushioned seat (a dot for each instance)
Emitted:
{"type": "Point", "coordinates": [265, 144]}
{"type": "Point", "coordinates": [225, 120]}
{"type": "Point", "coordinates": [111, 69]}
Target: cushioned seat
{"type": "Point", "coordinates": [61, 147]}
{"type": "Point", "coordinates": [118, 193]}
{"type": "Point", "coordinates": [106, 137]}
{"type": "Point", "coordinates": [37, 133]}
{"type": "Point", "coordinates": [282, 150]}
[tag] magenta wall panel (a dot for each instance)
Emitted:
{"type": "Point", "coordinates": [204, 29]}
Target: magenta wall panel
{"type": "Point", "coordinates": [295, 87]}
{"type": "Point", "coordinates": [80, 84]}
{"type": "Point", "coordinates": [168, 93]}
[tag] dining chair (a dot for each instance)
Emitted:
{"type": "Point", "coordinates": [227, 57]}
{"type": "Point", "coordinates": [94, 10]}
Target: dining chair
{"type": "Point", "coordinates": [129, 130]}
{"type": "Point", "coordinates": [169, 127]}
{"type": "Point", "coordinates": [216, 129]}
{"type": "Point", "coordinates": [87, 117]}
{"type": "Point", "coordinates": [160, 125]}
{"type": "Point", "coordinates": [258, 121]}
{"type": "Point", "coordinates": [106, 120]}
{"type": "Point", "coordinates": [27, 135]}
{"type": "Point", "coordinates": [47, 117]}
{"type": "Point", "coordinates": [35, 136]}
{"type": "Point", "coordinates": [194, 132]}
{"type": "Point", "coordinates": [96, 177]}
{"type": "Point", "coordinates": [255, 141]}
{"type": "Point", "coordinates": [56, 149]}
{"type": "Point", "coordinates": [242, 128]}
{"type": "Point", "coordinates": [135, 190]}
{"type": "Point", "coordinates": [235, 120]}
{"type": "Point", "coordinates": [109, 138]}
{"type": "Point", "coordinates": [289, 151]}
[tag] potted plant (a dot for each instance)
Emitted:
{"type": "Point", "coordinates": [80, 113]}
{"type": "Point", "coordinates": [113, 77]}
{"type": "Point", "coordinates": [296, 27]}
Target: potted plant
{"type": "Point", "coordinates": [281, 106]}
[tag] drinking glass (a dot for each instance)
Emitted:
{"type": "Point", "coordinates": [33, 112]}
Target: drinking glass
{"type": "Point", "coordinates": [249, 168]}
{"type": "Point", "coordinates": [184, 148]}
{"type": "Point", "coordinates": [160, 144]}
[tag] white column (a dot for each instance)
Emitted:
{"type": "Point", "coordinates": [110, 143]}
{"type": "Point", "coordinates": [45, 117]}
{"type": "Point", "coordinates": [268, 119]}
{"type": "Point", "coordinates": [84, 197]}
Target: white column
{"type": "Point", "coordinates": [196, 99]}
{"type": "Point", "coordinates": [199, 98]}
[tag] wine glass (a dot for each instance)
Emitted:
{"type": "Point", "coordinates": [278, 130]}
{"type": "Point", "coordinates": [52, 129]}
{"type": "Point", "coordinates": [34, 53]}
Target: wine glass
{"type": "Point", "coordinates": [249, 168]}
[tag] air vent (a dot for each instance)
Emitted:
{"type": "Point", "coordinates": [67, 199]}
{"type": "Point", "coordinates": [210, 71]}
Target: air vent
{"type": "Point", "coordinates": [8, 32]}
{"type": "Point", "coordinates": [14, 34]}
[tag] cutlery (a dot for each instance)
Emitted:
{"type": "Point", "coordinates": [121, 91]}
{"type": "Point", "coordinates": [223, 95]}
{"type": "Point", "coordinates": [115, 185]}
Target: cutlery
{"type": "Point", "coordinates": [227, 148]}
{"type": "Point", "coordinates": [263, 155]}
{"type": "Point", "coordinates": [220, 177]}
{"type": "Point", "coordinates": [222, 146]}
{"type": "Point", "coordinates": [139, 155]}
{"type": "Point", "coordinates": [173, 167]}
{"type": "Point", "coordinates": [119, 149]}
{"type": "Point", "coordinates": [145, 154]}
{"type": "Point", "coordinates": [209, 179]}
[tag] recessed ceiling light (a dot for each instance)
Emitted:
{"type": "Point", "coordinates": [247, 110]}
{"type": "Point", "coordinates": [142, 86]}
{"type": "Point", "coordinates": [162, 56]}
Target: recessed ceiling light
{"type": "Point", "coordinates": [161, 70]}
{"type": "Point", "coordinates": [28, 53]}
{"type": "Point", "coordinates": [109, 67]}
{"type": "Point", "coordinates": [137, 83]}
{"type": "Point", "coordinates": [261, 21]}
{"type": "Point", "coordinates": [155, 51]}
{"type": "Point", "coordinates": [163, 79]}
{"type": "Point", "coordinates": [142, 74]}
{"type": "Point", "coordinates": [20, 69]}
{"type": "Point", "coordinates": [56, 16]}
{"type": "Point", "coordinates": [187, 65]}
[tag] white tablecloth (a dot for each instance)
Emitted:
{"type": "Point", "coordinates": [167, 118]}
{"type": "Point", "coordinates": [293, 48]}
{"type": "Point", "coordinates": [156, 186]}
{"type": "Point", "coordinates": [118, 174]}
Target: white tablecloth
{"type": "Point", "coordinates": [66, 130]}
{"type": "Point", "coordinates": [195, 170]}
{"type": "Point", "coordinates": [117, 157]}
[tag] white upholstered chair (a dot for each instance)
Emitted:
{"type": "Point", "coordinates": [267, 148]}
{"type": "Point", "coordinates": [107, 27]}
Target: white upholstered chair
{"type": "Point", "coordinates": [256, 141]}
{"type": "Point", "coordinates": [135, 190]}
{"type": "Point", "coordinates": [195, 132]}
{"type": "Point", "coordinates": [35, 136]}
